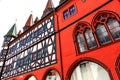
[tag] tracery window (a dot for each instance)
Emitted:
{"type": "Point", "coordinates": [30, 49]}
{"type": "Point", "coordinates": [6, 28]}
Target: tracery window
{"type": "Point", "coordinates": [102, 34]}
{"type": "Point", "coordinates": [85, 37]}
{"type": "Point", "coordinates": [114, 27]}
{"type": "Point", "coordinates": [90, 39]}
{"type": "Point", "coordinates": [81, 42]}
{"type": "Point", "coordinates": [107, 26]}
{"type": "Point", "coordinates": [88, 70]}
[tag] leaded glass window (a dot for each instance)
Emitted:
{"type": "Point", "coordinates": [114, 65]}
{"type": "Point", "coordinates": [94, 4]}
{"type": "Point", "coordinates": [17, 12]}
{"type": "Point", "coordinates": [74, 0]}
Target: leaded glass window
{"type": "Point", "coordinates": [90, 39]}
{"type": "Point", "coordinates": [102, 34]}
{"type": "Point", "coordinates": [109, 22]}
{"type": "Point", "coordinates": [114, 27]}
{"type": "Point", "coordinates": [81, 42]}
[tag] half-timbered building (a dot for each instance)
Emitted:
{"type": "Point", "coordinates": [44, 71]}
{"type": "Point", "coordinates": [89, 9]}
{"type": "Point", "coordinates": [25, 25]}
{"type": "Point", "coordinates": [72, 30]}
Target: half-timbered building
{"type": "Point", "coordinates": [77, 40]}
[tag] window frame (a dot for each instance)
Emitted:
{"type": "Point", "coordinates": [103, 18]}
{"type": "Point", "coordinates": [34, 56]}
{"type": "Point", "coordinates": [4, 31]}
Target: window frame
{"type": "Point", "coordinates": [114, 28]}
{"type": "Point", "coordinates": [95, 21]}
{"type": "Point", "coordinates": [68, 9]}
{"type": "Point", "coordinates": [49, 70]}
{"type": "Point", "coordinates": [65, 13]}
{"type": "Point", "coordinates": [73, 6]}
{"type": "Point", "coordinates": [82, 30]}
{"type": "Point", "coordinates": [78, 61]}
{"type": "Point", "coordinates": [87, 66]}
{"type": "Point", "coordinates": [85, 45]}
{"type": "Point", "coordinates": [90, 39]}
{"type": "Point", "coordinates": [105, 32]}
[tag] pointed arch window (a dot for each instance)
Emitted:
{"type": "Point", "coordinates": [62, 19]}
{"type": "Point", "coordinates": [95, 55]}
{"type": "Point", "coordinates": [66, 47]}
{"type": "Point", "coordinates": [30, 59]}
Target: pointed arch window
{"type": "Point", "coordinates": [84, 37]}
{"type": "Point", "coordinates": [114, 27]}
{"type": "Point", "coordinates": [81, 42]}
{"type": "Point", "coordinates": [107, 26]}
{"type": "Point", "coordinates": [102, 34]}
{"type": "Point", "coordinates": [90, 39]}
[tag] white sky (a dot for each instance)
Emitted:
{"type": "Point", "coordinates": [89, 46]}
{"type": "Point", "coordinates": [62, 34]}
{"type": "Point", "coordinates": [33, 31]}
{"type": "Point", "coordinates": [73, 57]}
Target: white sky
{"type": "Point", "coordinates": [10, 10]}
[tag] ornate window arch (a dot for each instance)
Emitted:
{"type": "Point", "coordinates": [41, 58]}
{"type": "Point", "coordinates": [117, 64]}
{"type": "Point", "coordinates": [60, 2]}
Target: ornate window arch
{"type": "Point", "coordinates": [30, 77]}
{"type": "Point", "coordinates": [92, 68]}
{"type": "Point", "coordinates": [118, 66]}
{"type": "Point", "coordinates": [107, 26]}
{"type": "Point", "coordinates": [52, 74]}
{"type": "Point", "coordinates": [84, 37]}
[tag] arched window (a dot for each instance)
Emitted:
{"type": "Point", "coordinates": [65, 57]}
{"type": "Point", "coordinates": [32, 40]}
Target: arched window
{"type": "Point", "coordinates": [107, 26]}
{"type": "Point", "coordinates": [84, 37]}
{"type": "Point", "coordinates": [114, 27]}
{"type": "Point", "coordinates": [102, 34]}
{"type": "Point", "coordinates": [88, 70]}
{"type": "Point", "coordinates": [53, 75]}
{"type": "Point", "coordinates": [81, 42]}
{"type": "Point", "coordinates": [90, 39]}
{"type": "Point", "coordinates": [32, 78]}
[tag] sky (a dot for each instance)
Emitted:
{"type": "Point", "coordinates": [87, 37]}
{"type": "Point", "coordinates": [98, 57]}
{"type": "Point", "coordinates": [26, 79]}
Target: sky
{"type": "Point", "coordinates": [18, 11]}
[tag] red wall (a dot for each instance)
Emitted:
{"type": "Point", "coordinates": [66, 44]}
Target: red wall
{"type": "Point", "coordinates": [106, 55]}
{"type": "Point", "coordinates": [66, 51]}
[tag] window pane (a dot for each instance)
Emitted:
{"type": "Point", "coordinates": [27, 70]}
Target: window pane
{"type": "Point", "coordinates": [32, 78]}
{"type": "Point", "coordinates": [72, 10]}
{"type": "Point", "coordinates": [53, 75]}
{"type": "Point", "coordinates": [65, 14]}
{"type": "Point", "coordinates": [87, 70]}
{"type": "Point", "coordinates": [90, 39]}
{"type": "Point", "coordinates": [102, 34]}
{"type": "Point", "coordinates": [114, 27]}
{"type": "Point", "coordinates": [81, 42]}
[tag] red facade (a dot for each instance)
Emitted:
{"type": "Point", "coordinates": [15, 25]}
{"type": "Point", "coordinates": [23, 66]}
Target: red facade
{"type": "Point", "coordinates": [74, 20]}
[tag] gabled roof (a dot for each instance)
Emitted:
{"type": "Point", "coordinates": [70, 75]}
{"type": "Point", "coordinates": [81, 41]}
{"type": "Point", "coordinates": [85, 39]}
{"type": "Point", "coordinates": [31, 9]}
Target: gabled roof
{"type": "Point", "coordinates": [29, 22]}
{"type": "Point", "coordinates": [12, 31]}
{"type": "Point", "coordinates": [48, 8]}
